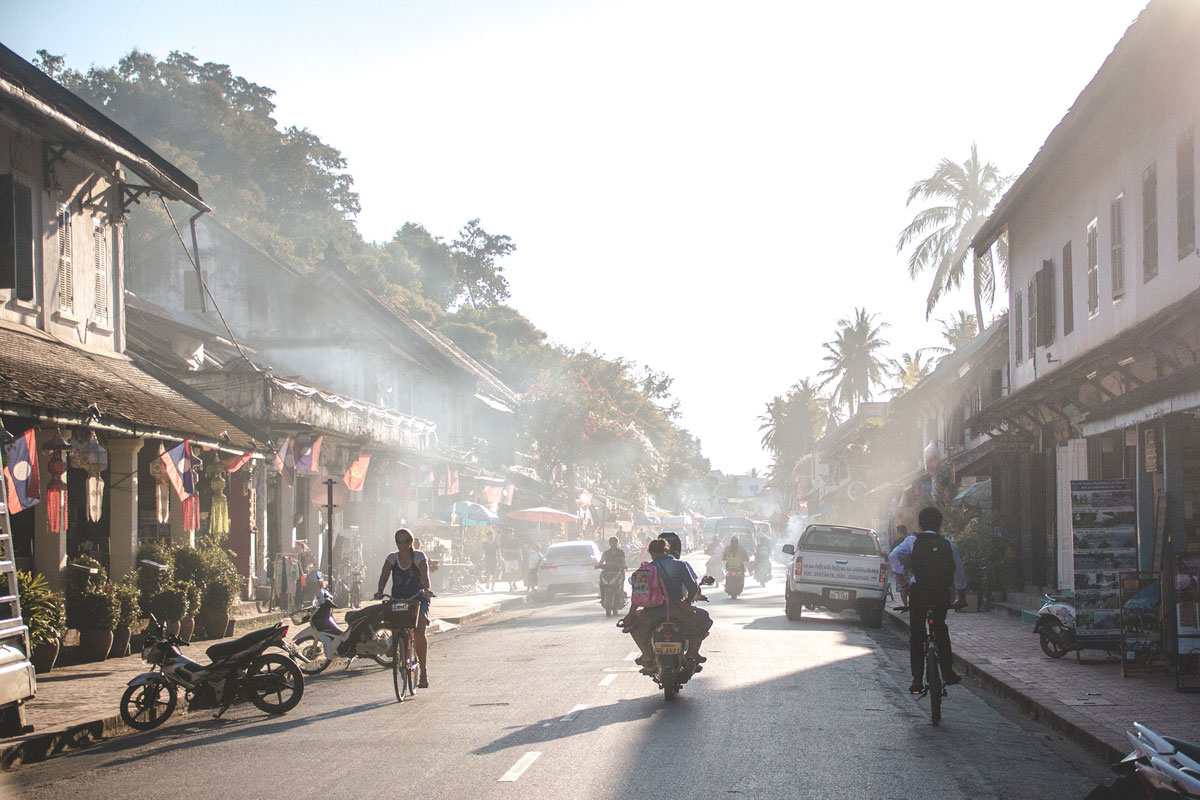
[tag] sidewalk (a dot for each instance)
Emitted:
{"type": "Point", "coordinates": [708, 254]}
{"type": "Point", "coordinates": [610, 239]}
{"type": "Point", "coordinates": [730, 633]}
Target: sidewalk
{"type": "Point", "coordinates": [77, 705]}
{"type": "Point", "coordinates": [1087, 702]}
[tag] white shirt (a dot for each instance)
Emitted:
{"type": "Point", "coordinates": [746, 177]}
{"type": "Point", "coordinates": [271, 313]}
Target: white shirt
{"type": "Point", "coordinates": [904, 550]}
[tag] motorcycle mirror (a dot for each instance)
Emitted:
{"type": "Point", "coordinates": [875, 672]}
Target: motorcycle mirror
{"type": "Point", "coordinates": [707, 580]}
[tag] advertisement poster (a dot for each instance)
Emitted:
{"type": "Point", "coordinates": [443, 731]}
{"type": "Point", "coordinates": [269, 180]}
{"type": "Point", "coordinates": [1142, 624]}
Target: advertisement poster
{"type": "Point", "coordinates": [1104, 527]}
{"type": "Point", "coordinates": [1187, 617]}
{"type": "Point", "coordinates": [1141, 621]}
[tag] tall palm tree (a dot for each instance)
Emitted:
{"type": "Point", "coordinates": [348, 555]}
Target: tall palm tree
{"type": "Point", "coordinates": [909, 369]}
{"type": "Point", "coordinates": [853, 360]}
{"type": "Point", "coordinates": [966, 193]}
{"type": "Point", "coordinates": [959, 330]}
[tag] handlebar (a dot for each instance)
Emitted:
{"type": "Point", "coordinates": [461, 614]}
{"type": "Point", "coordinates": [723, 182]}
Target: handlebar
{"type": "Point", "coordinates": [424, 593]}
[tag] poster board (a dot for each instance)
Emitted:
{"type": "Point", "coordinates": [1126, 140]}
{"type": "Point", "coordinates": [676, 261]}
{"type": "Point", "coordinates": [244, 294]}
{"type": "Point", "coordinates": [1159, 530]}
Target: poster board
{"type": "Point", "coordinates": [1104, 529]}
{"type": "Point", "coordinates": [1141, 623]}
{"type": "Point", "coordinates": [1187, 621]}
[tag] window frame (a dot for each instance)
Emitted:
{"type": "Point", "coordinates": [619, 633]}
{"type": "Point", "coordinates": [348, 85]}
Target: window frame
{"type": "Point", "coordinates": [18, 262]}
{"type": "Point", "coordinates": [66, 262]}
{"type": "Point", "coordinates": [1116, 246]}
{"type": "Point", "coordinates": [101, 284]}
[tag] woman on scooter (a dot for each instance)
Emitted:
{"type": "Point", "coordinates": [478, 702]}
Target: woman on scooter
{"type": "Point", "coordinates": [409, 571]}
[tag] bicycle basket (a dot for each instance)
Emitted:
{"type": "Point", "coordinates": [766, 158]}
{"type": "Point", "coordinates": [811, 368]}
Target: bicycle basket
{"type": "Point", "coordinates": [400, 613]}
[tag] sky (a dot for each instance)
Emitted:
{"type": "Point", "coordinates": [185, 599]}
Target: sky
{"type": "Point", "coordinates": [705, 188]}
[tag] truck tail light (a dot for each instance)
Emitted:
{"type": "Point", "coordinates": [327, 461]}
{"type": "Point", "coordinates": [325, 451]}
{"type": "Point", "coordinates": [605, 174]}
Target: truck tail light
{"type": "Point", "coordinates": [799, 566]}
{"type": "Point", "coordinates": [883, 568]}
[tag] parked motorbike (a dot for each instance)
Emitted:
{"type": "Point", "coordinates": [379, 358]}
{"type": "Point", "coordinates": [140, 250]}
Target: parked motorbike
{"type": "Point", "coordinates": [612, 591]}
{"type": "Point", "coordinates": [735, 581]}
{"type": "Point", "coordinates": [356, 581]}
{"type": "Point", "coordinates": [672, 668]}
{"type": "Point", "coordinates": [241, 668]}
{"type": "Point", "coordinates": [1055, 626]}
{"type": "Point", "coordinates": [323, 640]}
{"type": "Point", "coordinates": [1159, 767]}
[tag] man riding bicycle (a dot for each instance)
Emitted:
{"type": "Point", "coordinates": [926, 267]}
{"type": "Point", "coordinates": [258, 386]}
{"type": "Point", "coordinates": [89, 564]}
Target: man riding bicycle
{"type": "Point", "coordinates": [933, 566]}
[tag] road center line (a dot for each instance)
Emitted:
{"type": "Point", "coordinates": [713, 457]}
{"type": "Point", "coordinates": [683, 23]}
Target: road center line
{"type": "Point", "coordinates": [573, 713]}
{"type": "Point", "coordinates": [518, 769]}
{"type": "Point", "coordinates": [608, 679]}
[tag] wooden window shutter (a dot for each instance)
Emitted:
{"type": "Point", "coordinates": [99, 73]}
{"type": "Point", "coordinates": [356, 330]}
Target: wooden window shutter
{"type": "Point", "coordinates": [66, 273]}
{"type": "Point", "coordinates": [16, 238]}
{"type": "Point", "coordinates": [1032, 309]}
{"type": "Point", "coordinates": [100, 264]}
{"type": "Point", "coordinates": [1068, 291]}
{"type": "Point", "coordinates": [1093, 268]}
{"type": "Point", "coordinates": [1149, 222]}
{"type": "Point", "coordinates": [1116, 240]}
{"type": "Point", "coordinates": [1018, 324]}
{"type": "Point", "coordinates": [1045, 298]}
{"type": "Point", "coordinates": [1185, 167]}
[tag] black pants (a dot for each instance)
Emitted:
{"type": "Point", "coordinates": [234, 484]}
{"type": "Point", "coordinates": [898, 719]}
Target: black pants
{"type": "Point", "coordinates": [916, 635]}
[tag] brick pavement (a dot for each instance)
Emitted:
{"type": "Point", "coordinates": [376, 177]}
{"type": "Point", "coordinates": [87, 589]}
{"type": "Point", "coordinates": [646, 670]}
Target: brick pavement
{"type": "Point", "coordinates": [1089, 701]}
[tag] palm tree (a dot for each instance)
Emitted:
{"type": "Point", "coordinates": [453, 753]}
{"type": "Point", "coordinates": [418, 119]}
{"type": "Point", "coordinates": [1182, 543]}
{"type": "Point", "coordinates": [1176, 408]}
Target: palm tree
{"type": "Point", "coordinates": [958, 330]}
{"type": "Point", "coordinates": [853, 361]}
{"type": "Point", "coordinates": [909, 369]}
{"type": "Point", "coordinates": [967, 191]}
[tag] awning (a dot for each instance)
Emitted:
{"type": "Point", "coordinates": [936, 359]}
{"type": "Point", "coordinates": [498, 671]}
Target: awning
{"type": "Point", "coordinates": [493, 403]}
{"type": "Point", "coordinates": [978, 494]}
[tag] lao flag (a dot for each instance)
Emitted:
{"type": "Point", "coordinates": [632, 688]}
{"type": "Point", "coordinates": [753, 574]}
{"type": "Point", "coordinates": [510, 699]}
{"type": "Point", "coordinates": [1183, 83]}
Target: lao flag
{"type": "Point", "coordinates": [357, 473]}
{"type": "Point", "coordinates": [285, 461]}
{"type": "Point", "coordinates": [177, 466]}
{"type": "Point", "coordinates": [21, 473]}
{"type": "Point", "coordinates": [232, 465]}
{"type": "Point", "coordinates": [308, 455]}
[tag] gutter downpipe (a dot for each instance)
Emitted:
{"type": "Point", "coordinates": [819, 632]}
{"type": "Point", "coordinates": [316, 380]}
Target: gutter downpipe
{"type": "Point", "coordinates": [196, 259]}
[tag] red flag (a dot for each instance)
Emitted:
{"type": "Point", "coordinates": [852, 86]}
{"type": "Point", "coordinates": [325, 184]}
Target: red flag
{"type": "Point", "coordinates": [356, 474]}
{"type": "Point", "coordinates": [232, 465]}
{"type": "Point", "coordinates": [451, 481]}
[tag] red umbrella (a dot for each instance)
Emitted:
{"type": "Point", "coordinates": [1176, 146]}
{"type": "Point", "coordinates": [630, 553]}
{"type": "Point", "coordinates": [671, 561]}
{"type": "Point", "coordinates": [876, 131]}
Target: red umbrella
{"type": "Point", "coordinates": [542, 514]}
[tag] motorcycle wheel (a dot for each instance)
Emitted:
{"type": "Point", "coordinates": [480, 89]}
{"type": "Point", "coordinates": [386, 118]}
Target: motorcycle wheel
{"type": "Point", "coordinates": [275, 684]}
{"type": "Point", "coordinates": [314, 651]}
{"type": "Point", "coordinates": [670, 683]}
{"type": "Point", "coordinates": [148, 705]}
{"type": "Point", "coordinates": [1050, 645]}
{"type": "Point", "coordinates": [384, 637]}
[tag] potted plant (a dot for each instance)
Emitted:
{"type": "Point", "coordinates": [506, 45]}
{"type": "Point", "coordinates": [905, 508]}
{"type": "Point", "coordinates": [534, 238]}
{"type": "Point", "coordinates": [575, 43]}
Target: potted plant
{"type": "Point", "coordinates": [155, 568]}
{"type": "Point", "coordinates": [187, 623]}
{"type": "Point", "coordinates": [96, 617]}
{"type": "Point", "coordinates": [219, 592]}
{"type": "Point", "coordinates": [128, 607]}
{"type": "Point", "coordinates": [170, 606]}
{"type": "Point", "coordinates": [45, 615]}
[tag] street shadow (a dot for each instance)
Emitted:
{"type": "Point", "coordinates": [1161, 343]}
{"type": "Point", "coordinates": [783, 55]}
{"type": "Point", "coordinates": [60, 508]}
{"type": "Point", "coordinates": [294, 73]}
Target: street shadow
{"type": "Point", "coordinates": [64, 677]}
{"type": "Point", "coordinates": [587, 720]}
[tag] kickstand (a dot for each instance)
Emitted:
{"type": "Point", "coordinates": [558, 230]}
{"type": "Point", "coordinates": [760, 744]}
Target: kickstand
{"type": "Point", "coordinates": [220, 712]}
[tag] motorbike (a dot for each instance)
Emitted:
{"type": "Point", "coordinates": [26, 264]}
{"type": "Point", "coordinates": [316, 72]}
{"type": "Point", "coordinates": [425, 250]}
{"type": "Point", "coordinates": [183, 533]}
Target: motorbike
{"type": "Point", "coordinates": [672, 668]}
{"type": "Point", "coordinates": [735, 581]}
{"type": "Point", "coordinates": [762, 569]}
{"type": "Point", "coordinates": [612, 591]}
{"type": "Point", "coordinates": [1158, 766]}
{"type": "Point", "coordinates": [1055, 626]}
{"type": "Point", "coordinates": [356, 582]}
{"type": "Point", "coordinates": [240, 668]}
{"type": "Point", "coordinates": [365, 635]}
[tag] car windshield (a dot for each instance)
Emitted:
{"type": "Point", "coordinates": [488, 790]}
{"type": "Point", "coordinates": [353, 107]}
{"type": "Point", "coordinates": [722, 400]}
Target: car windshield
{"type": "Point", "coordinates": [830, 539]}
{"type": "Point", "coordinates": [569, 551]}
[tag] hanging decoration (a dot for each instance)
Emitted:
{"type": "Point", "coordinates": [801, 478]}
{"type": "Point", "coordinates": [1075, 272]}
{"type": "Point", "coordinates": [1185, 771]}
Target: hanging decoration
{"type": "Point", "coordinates": [218, 513]}
{"type": "Point", "coordinates": [56, 489]}
{"type": "Point", "coordinates": [191, 503]}
{"type": "Point", "coordinates": [93, 459]}
{"type": "Point", "coordinates": [162, 489]}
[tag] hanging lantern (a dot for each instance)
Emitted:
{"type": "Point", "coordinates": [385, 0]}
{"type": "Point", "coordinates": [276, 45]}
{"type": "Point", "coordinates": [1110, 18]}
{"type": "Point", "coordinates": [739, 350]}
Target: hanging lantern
{"type": "Point", "coordinates": [218, 513]}
{"type": "Point", "coordinates": [93, 458]}
{"type": "Point", "coordinates": [56, 489]}
{"type": "Point", "coordinates": [162, 489]}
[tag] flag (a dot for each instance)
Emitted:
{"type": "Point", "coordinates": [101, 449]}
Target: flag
{"type": "Point", "coordinates": [232, 465]}
{"type": "Point", "coordinates": [21, 473]}
{"type": "Point", "coordinates": [285, 461]}
{"type": "Point", "coordinates": [177, 466]}
{"type": "Point", "coordinates": [508, 494]}
{"type": "Point", "coordinates": [492, 495]}
{"type": "Point", "coordinates": [451, 481]}
{"type": "Point", "coordinates": [308, 455]}
{"type": "Point", "coordinates": [356, 474]}
{"type": "Point", "coordinates": [427, 479]}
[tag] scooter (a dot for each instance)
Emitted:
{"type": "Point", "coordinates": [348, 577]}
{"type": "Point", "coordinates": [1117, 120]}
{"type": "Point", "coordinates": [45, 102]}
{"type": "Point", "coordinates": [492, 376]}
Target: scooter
{"type": "Point", "coordinates": [323, 640]}
{"type": "Point", "coordinates": [271, 681]}
{"type": "Point", "coordinates": [735, 581]}
{"type": "Point", "coordinates": [1159, 766]}
{"type": "Point", "coordinates": [1055, 625]}
{"type": "Point", "coordinates": [612, 591]}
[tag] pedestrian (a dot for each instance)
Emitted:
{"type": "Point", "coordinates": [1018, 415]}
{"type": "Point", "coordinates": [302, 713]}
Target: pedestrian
{"type": "Point", "coordinates": [510, 555]}
{"type": "Point", "coordinates": [533, 559]}
{"type": "Point", "coordinates": [491, 561]}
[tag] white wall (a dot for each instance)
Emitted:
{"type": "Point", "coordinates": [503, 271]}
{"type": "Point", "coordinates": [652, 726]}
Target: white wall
{"type": "Point", "coordinates": [1071, 465]}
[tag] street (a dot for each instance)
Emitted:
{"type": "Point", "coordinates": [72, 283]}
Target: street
{"type": "Point", "coordinates": [547, 702]}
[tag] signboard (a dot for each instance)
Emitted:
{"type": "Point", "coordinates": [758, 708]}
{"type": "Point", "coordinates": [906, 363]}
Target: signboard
{"type": "Point", "coordinates": [1141, 622]}
{"type": "Point", "coordinates": [1187, 620]}
{"type": "Point", "coordinates": [1009, 444]}
{"type": "Point", "coordinates": [1150, 436]}
{"type": "Point", "coordinates": [1104, 528]}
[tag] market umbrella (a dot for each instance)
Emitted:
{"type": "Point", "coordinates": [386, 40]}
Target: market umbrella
{"type": "Point", "coordinates": [471, 514]}
{"type": "Point", "coordinates": [681, 520]}
{"type": "Point", "coordinates": [541, 514]}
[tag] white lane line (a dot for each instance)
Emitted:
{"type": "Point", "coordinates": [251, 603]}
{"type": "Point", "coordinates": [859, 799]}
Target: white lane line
{"type": "Point", "coordinates": [573, 713]}
{"type": "Point", "coordinates": [518, 769]}
{"type": "Point", "coordinates": [608, 679]}
{"type": "Point", "coordinates": [633, 655]}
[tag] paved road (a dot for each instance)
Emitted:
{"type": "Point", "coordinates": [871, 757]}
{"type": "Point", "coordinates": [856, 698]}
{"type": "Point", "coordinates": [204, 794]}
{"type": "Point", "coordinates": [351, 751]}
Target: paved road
{"type": "Point", "coordinates": [548, 696]}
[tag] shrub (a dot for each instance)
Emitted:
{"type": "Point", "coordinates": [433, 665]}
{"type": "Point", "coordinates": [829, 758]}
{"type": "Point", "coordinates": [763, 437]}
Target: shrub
{"type": "Point", "coordinates": [150, 580]}
{"type": "Point", "coordinates": [218, 596]}
{"type": "Point", "coordinates": [190, 565]}
{"type": "Point", "coordinates": [42, 609]}
{"type": "Point", "coordinates": [77, 578]}
{"type": "Point", "coordinates": [97, 610]}
{"type": "Point", "coordinates": [170, 603]}
{"type": "Point", "coordinates": [192, 591]}
{"type": "Point", "coordinates": [128, 600]}
{"type": "Point", "coordinates": [221, 580]}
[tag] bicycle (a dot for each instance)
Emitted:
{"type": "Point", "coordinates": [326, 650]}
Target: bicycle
{"type": "Point", "coordinates": [401, 616]}
{"type": "Point", "coordinates": [935, 686]}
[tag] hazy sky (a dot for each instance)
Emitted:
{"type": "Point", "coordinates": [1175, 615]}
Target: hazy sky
{"type": "Point", "coordinates": [702, 187]}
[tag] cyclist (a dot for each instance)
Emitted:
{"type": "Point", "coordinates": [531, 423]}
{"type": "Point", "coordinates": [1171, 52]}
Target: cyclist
{"type": "Point", "coordinates": [933, 567]}
{"type": "Point", "coordinates": [409, 571]}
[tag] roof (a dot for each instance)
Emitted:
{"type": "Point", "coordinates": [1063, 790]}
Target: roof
{"type": "Point", "coordinates": [44, 378]}
{"type": "Point", "coordinates": [1162, 25]}
{"type": "Point", "coordinates": [31, 93]}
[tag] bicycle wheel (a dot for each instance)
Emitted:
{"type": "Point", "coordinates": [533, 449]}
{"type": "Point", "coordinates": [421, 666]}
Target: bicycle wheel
{"type": "Point", "coordinates": [411, 663]}
{"type": "Point", "coordinates": [933, 681]}
{"type": "Point", "coordinates": [399, 653]}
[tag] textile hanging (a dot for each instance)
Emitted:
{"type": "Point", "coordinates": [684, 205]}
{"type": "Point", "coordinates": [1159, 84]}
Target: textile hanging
{"type": "Point", "coordinates": [95, 496]}
{"type": "Point", "coordinates": [162, 489]}
{"type": "Point", "coordinates": [191, 513]}
{"type": "Point", "coordinates": [218, 513]}
{"type": "Point", "coordinates": [56, 494]}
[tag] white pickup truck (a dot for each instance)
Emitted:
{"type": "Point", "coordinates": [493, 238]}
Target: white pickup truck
{"type": "Point", "coordinates": [837, 567]}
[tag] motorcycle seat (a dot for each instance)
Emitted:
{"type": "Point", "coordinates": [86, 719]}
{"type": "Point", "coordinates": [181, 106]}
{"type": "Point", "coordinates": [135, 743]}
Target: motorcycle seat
{"type": "Point", "coordinates": [226, 649]}
{"type": "Point", "coordinates": [361, 612]}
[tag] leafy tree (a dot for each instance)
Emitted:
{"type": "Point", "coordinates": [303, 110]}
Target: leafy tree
{"type": "Point", "coordinates": [908, 370]}
{"type": "Point", "coordinates": [479, 274]}
{"type": "Point", "coordinates": [958, 330]}
{"type": "Point", "coordinates": [966, 193]}
{"type": "Point", "coordinates": [854, 362]}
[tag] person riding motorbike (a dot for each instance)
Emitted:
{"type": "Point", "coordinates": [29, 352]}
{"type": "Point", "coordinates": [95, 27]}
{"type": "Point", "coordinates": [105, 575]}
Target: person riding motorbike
{"type": "Point", "coordinates": [681, 590]}
{"type": "Point", "coordinates": [675, 550]}
{"type": "Point", "coordinates": [409, 570]}
{"type": "Point", "coordinates": [735, 555]}
{"type": "Point", "coordinates": [612, 559]}
{"type": "Point", "coordinates": [715, 553]}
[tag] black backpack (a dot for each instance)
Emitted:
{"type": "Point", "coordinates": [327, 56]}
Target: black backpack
{"type": "Point", "coordinates": [932, 563]}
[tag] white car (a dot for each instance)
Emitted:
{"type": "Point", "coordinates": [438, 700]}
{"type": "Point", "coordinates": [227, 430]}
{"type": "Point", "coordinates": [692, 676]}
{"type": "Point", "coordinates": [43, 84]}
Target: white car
{"type": "Point", "coordinates": [837, 567]}
{"type": "Point", "coordinates": [570, 565]}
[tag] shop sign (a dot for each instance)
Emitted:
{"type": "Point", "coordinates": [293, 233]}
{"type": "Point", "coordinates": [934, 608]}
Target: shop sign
{"type": "Point", "coordinates": [1009, 444]}
{"type": "Point", "coordinates": [1151, 439]}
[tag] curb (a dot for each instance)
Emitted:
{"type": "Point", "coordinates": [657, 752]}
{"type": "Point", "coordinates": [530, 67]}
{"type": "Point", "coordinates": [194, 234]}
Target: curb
{"type": "Point", "coordinates": [485, 612]}
{"type": "Point", "coordinates": [1033, 704]}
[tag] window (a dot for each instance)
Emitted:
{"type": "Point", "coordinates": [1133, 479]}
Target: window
{"type": "Point", "coordinates": [1068, 292]}
{"type": "Point", "coordinates": [100, 265]}
{"type": "Point", "coordinates": [1093, 269]}
{"type": "Point", "coordinates": [66, 273]}
{"type": "Point", "coordinates": [1116, 242]}
{"type": "Point", "coordinates": [1018, 324]}
{"type": "Point", "coordinates": [1185, 169]}
{"type": "Point", "coordinates": [1031, 299]}
{"type": "Point", "coordinates": [1150, 222]}
{"type": "Point", "coordinates": [16, 238]}
{"type": "Point", "coordinates": [1045, 303]}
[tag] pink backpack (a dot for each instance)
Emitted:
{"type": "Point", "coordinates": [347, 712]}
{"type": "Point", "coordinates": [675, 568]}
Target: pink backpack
{"type": "Point", "coordinates": [649, 590]}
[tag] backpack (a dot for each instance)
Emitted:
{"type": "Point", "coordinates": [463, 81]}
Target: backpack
{"type": "Point", "coordinates": [932, 563]}
{"type": "Point", "coordinates": [649, 590]}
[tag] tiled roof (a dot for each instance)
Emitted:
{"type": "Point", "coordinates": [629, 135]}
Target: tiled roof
{"type": "Point", "coordinates": [42, 376]}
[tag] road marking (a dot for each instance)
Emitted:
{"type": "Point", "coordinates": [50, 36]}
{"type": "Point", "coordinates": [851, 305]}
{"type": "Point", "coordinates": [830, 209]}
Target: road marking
{"type": "Point", "coordinates": [573, 713]}
{"type": "Point", "coordinates": [633, 655]}
{"type": "Point", "coordinates": [608, 679]}
{"type": "Point", "coordinates": [518, 769]}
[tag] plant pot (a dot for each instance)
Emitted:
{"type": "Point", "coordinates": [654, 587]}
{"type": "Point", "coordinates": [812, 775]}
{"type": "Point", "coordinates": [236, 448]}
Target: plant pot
{"type": "Point", "coordinates": [120, 645]}
{"type": "Point", "coordinates": [187, 626]}
{"type": "Point", "coordinates": [173, 627]}
{"type": "Point", "coordinates": [94, 645]}
{"type": "Point", "coordinates": [44, 656]}
{"type": "Point", "coordinates": [213, 622]}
